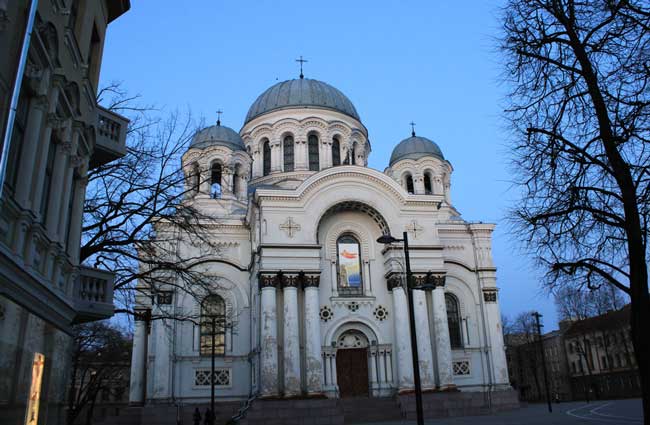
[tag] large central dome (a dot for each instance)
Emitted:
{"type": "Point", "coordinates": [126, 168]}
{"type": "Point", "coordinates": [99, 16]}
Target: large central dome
{"type": "Point", "coordinates": [301, 93]}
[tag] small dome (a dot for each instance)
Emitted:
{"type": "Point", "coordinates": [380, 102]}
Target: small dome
{"type": "Point", "coordinates": [415, 147]}
{"type": "Point", "coordinates": [218, 135]}
{"type": "Point", "coordinates": [301, 93]}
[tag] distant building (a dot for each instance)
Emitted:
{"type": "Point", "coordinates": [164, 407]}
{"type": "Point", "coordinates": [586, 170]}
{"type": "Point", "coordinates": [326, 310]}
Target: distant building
{"type": "Point", "coordinates": [58, 133]}
{"type": "Point", "coordinates": [525, 366]}
{"type": "Point", "coordinates": [113, 390]}
{"type": "Point", "coordinates": [600, 357]}
{"type": "Point", "coordinates": [594, 353]}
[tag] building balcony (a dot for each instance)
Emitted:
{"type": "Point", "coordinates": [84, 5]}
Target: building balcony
{"type": "Point", "coordinates": [111, 137]}
{"type": "Point", "coordinates": [93, 295]}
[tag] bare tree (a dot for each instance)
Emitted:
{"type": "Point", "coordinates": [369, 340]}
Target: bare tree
{"type": "Point", "coordinates": [137, 221]}
{"type": "Point", "coordinates": [577, 303]}
{"type": "Point", "coordinates": [100, 361]}
{"type": "Point", "coordinates": [520, 334]}
{"type": "Point", "coordinates": [580, 113]}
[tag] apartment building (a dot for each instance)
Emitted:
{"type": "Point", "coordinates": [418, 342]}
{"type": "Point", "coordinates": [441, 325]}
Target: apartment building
{"type": "Point", "coordinates": [53, 133]}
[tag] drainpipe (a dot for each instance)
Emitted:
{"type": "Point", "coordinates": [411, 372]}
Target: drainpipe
{"type": "Point", "coordinates": [13, 106]}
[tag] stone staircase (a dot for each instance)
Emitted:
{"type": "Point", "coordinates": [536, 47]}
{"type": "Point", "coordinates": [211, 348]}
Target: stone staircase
{"type": "Point", "coordinates": [365, 409]}
{"type": "Point", "coordinates": [167, 415]}
{"type": "Point", "coordinates": [294, 412]}
{"type": "Point", "coordinates": [444, 404]}
{"type": "Point", "coordinates": [324, 411]}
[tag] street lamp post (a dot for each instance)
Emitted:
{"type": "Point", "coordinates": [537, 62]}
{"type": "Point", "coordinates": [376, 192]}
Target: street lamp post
{"type": "Point", "coordinates": [536, 315]}
{"type": "Point", "coordinates": [386, 240]}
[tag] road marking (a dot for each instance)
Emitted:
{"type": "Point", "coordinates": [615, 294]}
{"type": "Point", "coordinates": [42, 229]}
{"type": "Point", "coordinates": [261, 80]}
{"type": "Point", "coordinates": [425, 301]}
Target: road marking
{"type": "Point", "coordinates": [594, 411]}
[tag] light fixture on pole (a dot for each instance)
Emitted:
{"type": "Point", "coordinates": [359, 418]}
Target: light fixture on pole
{"type": "Point", "coordinates": [387, 239]}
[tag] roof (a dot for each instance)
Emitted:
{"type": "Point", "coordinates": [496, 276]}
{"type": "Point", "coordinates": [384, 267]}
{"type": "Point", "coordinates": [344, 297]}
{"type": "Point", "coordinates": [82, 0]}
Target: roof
{"type": "Point", "coordinates": [415, 147]}
{"type": "Point", "coordinates": [218, 135]}
{"type": "Point", "coordinates": [610, 320]}
{"type": "Point", "coordinates": [301, 93]}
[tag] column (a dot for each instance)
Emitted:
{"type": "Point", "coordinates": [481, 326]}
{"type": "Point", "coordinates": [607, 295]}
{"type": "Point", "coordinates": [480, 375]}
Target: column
{"type": "Point", "coordinates": [67, 188]}
{"type": "Point", "coordinates": [30, 144]}
{"type": "Point", "coordinates": [418, 184]}
{"type": "Point", "coordinates": [138, 363]}
{"type": "Point", "coordinates": [425, 355]}
{"type": "Point", "coordinates": [301, 154]}
{"type": "Point", "coordinates": [58, 175]}
{"type": "Point", "coordinates": [41, 158]}
{"type": "Point", "coordinates": [291, 343]}
{"type": "Point", "coordinates": [333, 276]}
{"type": "Point", "coordinates": [402, 336]}
{"type": "Point", "coordinates": [268, 338]}
{"type": "Point", "coordinates": [76, 217]}
{"type": "Point", "coordinates": [257, 162]}
{"type": "Point", "coordinates": [389, 366]}
{"type": "Point", "coordinates": [333, 371]}
{"type": "Point", "coordinates": [161, 369]}
{"type": "Point", "coordinates": [276, 159]}
{"type": "Point", "coordinates": [227, 176]}
{"type": "Point", "coordinates": [326, 156]}
{"type": "Point", "coordinates": [373, 363]}
{"type": "Point", "coordinates": [441, 332]}
{"type": "Point", "coordinates": [314, 372]}
{"type": "Point", "coordinates": [367, 289]}
{"type": "Point", "coordinates": [495, 334]}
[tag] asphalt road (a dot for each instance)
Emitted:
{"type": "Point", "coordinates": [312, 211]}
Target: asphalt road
{"type": "Point", "coordinates": [613, 412]}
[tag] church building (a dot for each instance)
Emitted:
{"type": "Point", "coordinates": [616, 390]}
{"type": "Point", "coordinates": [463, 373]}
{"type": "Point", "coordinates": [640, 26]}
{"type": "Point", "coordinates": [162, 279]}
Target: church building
{"type": "Point", "coordinates": [312, 304]}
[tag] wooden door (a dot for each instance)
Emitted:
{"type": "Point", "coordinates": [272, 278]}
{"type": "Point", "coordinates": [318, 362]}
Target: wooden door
{"type": "Point", "coordinates": [352, 372]}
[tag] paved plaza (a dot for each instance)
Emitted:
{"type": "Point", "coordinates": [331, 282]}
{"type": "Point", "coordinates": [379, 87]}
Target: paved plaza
{"type": "Point", "coordinates": [598, 412]}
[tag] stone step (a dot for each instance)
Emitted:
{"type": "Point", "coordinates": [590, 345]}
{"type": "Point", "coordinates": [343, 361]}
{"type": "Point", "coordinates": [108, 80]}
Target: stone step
{"type": "Point", "coordinates": [360, 410]}
{"type": "Point", "coordinates": [294, 412]}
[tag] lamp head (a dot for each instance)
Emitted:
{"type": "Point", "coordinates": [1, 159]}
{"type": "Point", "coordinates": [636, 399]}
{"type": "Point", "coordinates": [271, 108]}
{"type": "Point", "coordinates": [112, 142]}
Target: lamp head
{"type": "Point", "coordinates": [387, 239]}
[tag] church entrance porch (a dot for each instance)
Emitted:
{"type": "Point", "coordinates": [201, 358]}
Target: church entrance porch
{"type": "Point", "coordinates": [352, 372]}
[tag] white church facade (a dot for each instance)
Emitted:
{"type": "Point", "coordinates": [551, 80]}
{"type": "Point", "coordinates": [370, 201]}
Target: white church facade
{"type": "Point", "coordinates": [314, 305]}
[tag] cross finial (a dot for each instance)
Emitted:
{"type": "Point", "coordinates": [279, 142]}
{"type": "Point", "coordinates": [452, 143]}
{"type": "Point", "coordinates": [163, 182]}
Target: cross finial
{"type": "Point", "coordinates": [301, 60]}
{"type": "Point", "coordinates": [412, 128]}
{"type": "Point", "coordinates": [219, 112]}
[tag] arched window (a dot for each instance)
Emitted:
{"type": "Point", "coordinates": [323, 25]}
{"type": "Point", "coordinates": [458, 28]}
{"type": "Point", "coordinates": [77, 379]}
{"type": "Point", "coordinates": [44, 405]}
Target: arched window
{"type": "Point", "coordinates": [213, 323]}
{"type": "Point", "coordinates": [215, 181]}
{"type": "Point", "coordinates": [348, 252]}
{"type": "Point", "coordinates": [453, 320]}
{"type": "Point", "coordinates": [266, 159]}
{"type": "Point", "coordinates": [408, 181]}
{"type": "Point", "coordinates": [428, 183]}
{"type": "Point", "coordinates": [353, 154]}
{"type": "Point", "coordinates": [312, 143]}
{"type": "Point", "coordinates": [287, 145]}
{"type": "Point", "coordinates": [336, 152]}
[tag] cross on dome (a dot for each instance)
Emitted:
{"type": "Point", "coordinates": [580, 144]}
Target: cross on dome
{"type": "Point", "coordinates": [412, 128]}
{"type": "Point", "coordinates": [301, 60]}
{"type": "Point", "coordinates": [219, 112]}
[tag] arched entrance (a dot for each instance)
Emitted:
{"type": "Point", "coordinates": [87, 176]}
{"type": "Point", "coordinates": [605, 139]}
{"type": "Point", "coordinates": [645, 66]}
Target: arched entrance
{"type": "Point", "coordinates": [352, 364]}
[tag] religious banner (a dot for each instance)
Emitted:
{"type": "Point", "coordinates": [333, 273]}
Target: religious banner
{"type": "Point", "coordinates": [349, 265]}
{"type": "Point", "coordinates": [31, 417]}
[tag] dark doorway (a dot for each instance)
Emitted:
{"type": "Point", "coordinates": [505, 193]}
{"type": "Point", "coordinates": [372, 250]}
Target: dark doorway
{"type": "Point", "coordinates": [352, 372]}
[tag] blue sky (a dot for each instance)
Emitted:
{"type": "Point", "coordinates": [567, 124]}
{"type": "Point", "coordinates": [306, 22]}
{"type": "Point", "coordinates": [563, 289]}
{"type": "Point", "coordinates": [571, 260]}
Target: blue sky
{"type": "Point", "coordinates": [435, 63]}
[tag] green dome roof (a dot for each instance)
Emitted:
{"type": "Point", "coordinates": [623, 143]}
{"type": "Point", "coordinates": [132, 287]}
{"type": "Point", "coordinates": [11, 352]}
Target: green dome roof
{"type": "Point", "coordinates": [301, 93]}
{"type": "Point", "coordinates": [415, 147]}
